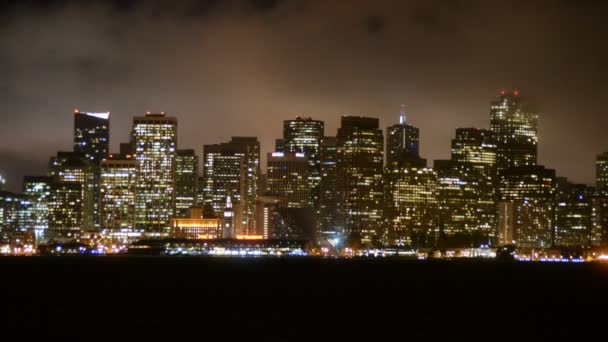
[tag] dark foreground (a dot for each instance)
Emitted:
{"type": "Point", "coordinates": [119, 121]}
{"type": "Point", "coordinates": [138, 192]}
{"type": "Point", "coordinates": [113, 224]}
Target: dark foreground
{"type": "Point", "coordinates": [145, 298]}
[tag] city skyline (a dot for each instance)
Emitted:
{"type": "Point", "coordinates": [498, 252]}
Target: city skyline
{"type": "Point", "coordinates": [367, 59]}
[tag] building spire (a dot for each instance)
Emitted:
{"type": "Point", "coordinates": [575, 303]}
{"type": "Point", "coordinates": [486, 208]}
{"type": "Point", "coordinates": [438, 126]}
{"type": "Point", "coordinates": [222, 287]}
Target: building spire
{"type": "Point", "coordinates": [402, 115]}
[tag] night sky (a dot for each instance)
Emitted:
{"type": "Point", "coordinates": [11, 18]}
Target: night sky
{"type": "Point", "coordinates": [227, 68]}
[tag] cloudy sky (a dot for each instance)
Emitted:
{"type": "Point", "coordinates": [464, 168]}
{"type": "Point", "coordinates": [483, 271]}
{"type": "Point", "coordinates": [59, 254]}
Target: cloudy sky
{"type": "Point", "coordinates": [227, 68]}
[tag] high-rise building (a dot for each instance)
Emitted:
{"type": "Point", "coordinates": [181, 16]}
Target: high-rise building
{"type": "Point", "coordinates": [304, 135]}
{"type": "Point", "coordinates": [360, 152]}
{"type": "Point", "coordinates": [476, 147]}
{"type": "Point", "coordinates": [526, 207]}
{"type": "Point", "coordinates": [410, 206]}
{"type": "Point", "coordinates": [76, 168]}
{"type": "Point", "coordinates": [38, 188]}
{"type": "Point", "coordinates": [600, 232]}
{"type": "Point", "coordinates": [92, 139]}
{"type": "Point", "coordinates": [515, 131]}
{"type": "Point", "coordinates": [65, 210]}
{"type": "Point", "coordinates": [458, 197]}
{"type": "Point", "coordinates": [403, 144]}
{"type": "Point", "coordinates": [288, 179]}
{"type": "Point", "coordinates": [154, 139]}
{"type": "Point", "coordinates": [186, 181]}
{"type": "Point", "coordinates": [233, 169]}
{"type": "Point", "coordinates": [118, 188]}
{"type": "Point", "coordinates": [573, 214]}
{"type": "Point", "coordinates": [266, 211]}
{"type": "Point", "coordinates": [16, 214]}
{"type": "Point", "coordinates": [329, 223]}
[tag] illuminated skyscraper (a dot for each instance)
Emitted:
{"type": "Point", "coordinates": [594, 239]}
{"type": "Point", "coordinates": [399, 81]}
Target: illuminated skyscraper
{"type": "Point", "coordinates": [329, 223]}
{"type": "Point", "coordinates": [410, 206]}
{"type": "Point", "coordinates": [154, 139]}
{"type": "Point", "coordinates": [459, 199]}
{"type": "Point", "coordinates": [360, 152]}
{"type": "Point", "coordinates": [65, 210]}
{"type": "Point", "coordinates": [304, 135]}
{"type": "Point", "coordinates": [573, 214]}
{"type": "Point", "coordinates": [38, 188]}
{"type": "Point", "coordinates": [233, 169]}
{"type": "Point", "coordinates": [288, 179]}
{"type": "Point", "coordinates": [92, 139]}
{"type": "Point", "coordinates": [118, 188]}
{"type": "Point", "coordinates": [526, 207]}
{"type": "Point", "coordinates": [186, 181]}
{"type": "Point", "coordinates": [477, 147]}
{"type": "Point", "coordinates": [515, 131]}
{"type": "Point", "coordinates": [16, 214]}
{"type": "Point", "coordinates": [403, 144]}
{"type": "Point", "coordinates": [600, 236]}
{"type": "Point", "coordinates": [75, 168]}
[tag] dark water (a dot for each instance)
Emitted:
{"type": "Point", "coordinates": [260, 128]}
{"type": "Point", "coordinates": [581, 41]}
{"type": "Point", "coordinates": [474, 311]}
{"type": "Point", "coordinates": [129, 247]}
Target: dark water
{"type": "Point", "coordinates": [149, 298]}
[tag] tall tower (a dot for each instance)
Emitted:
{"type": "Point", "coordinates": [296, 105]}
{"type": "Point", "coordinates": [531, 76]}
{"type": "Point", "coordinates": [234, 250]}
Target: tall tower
{"type": "Point", "coordinates": [233, 169]}
{"type": "Point", "coordinates": [360, 159]}
{"type": "Point", "coordinates": [118, 188]}
{"type": "Point", "coordinates": [92, 139]}
{"type": "Point", "coordinates": [186, 181]}
{"type": "Point", "coordinates": [154, 139]}
{"type": "Point", "coordinates": [515, 131]}
{"type": "Point", "coordinates": [329, 223]}
{"type": "Point", "coordinates": [403, 143]}
{"type": "Point", "coordinates": [601, 202]}
{"type": "Point", "coordinates": [288, 179]}
{"type": "Point", "coordinates": [304, 135]}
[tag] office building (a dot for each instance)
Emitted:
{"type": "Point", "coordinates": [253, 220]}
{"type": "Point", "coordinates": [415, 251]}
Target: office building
{"type": "Point", "coordinates": [38, 188]}
{"type": "Point", "coordinates": [360, 152]}
{"type": "Point", "coordinates": [154, 139]}
{"type": "Point", "coordinates": [304, 135]}
{"type": "Point", "coordinates": [186, 181]}
{"type": "Point", "coordinates": [118, 189]}
{"type": "Point", "coordinates": [288, 178]}
{"type": "Point", "coordinates": [514, 127]}
{"type": "Point", "coordinates": [573, 214]}
{"type": "Point", "coordinates": [403, 144]}
{"type": "Point", "coordinates": [526, 207]}
{"type": "Point", "coordinates": [195, 226]}
{"type": "Point", "coordinates": [233, 169]}
{"type": "Point", "coordinates": [329, 221]}
{"type": "Point", "coordinates": [411, 206]}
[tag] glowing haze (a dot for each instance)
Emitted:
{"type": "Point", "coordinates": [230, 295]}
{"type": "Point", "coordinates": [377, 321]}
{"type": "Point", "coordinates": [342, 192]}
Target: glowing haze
{"type": "Point", "coordinates": [227, 68]}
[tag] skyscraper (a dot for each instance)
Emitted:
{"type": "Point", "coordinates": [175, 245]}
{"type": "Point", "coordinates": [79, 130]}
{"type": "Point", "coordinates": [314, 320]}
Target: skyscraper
{"type": "Point", "coordinates": [573, 214]}
{"type": "Point", "coordinates": [329, 223]}
{"type": "Point", "coordinates": [410, 206]}
{"type": "Point", "coordinates": [154, 138]}
{"type": "Point", "coordinates": [92, 139]}
{"type": "Point", "coordinates": [288, 179]}
{"type": "Point", "coordinates": [526, 207]}
{"type": "Point", "coordinates": [65, 210]}
{"type": "Point", "coordinates": [186, 181]}
{"type": "Point", "coordinates": [75, 168]}
{"type": "Point", "coordinates": [459, 198]}
{"type": "Point", "coordinates": [118, 188]}
{"type": "Point", "coordinates": [403, 144]}
{"type": "Point", "coordinates": [477, 148]}
{"type": "Point", "coordinates": [360, 152]}
{"type": "Point", "coordinates": [38, 188]}
{"type": "Point", "coordinates": [515, 131]}
{"type": "Point", "coordinates": [233, 169]}
{"type": "Point", "coordinates": [600, 235]}
{"type": "Point", "coordinates": [304, 135]}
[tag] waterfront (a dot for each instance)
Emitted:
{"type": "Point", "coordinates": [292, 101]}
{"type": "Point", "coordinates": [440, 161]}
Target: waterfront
{"type": "Point", "coordinates": [312, 298]}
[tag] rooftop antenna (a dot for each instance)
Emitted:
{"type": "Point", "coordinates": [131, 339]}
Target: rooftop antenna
{"type": "Point", "coordinates": [402, 115]}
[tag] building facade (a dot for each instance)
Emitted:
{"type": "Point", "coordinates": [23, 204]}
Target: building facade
{"type": "Point", "coordinates": [515, 131]}
{"type": "Point", "coordinates": [118, 189]}
{"type": "Point", "coordinates": [233, 169]}
{"type": "Point", "coordinates": [288, 179]}
{"type": "Point", "coordinates": [154, 139]}
{"type": "Point", "coordinates": [329, 222]}
{"type": "Point", "coordinates": [186, 181]}
{"type": "Point", "coordinates": [360, 152]}
{"type": "Point", "coordinates": [573, 214]}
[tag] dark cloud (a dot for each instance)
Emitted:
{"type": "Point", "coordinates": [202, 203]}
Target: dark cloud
{"type": "Point", "coordinates": [240, 67]}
